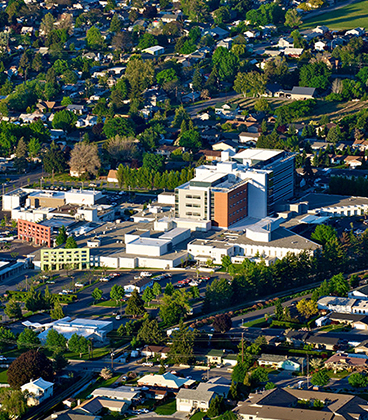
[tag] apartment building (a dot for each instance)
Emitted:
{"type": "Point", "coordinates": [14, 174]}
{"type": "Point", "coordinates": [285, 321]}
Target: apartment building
{"type": "Point", "coordinates": [245, 184]}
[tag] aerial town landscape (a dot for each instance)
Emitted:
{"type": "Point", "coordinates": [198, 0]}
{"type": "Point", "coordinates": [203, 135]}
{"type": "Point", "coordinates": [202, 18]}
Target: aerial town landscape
{"type": "Point", "coordinates": [184, 209]}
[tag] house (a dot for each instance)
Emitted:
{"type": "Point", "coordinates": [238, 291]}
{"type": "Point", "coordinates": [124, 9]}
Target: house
{"type": "Point", "coordinates": [361, 145]}
{"type": "Point", "coordinates": [296, 92]}
{"type": "Point", "coordinates": [210, 155]}
{"type": "Point", "coordinates": [71, 415]}
{"type": "Point", "coordinates": [226, 145]}
{"type": "Point", "coordinates": [167, 381]}
{"type": "Point", "coordinates": [189, 400]}
{"type": "Point", "coordinates": [96, 405]}
{"type": "Point", "coordinates": [354, 161]}
{"type": "Point", "coordinates": [362, 348]}
{"type": "Point", "coordinates": [357, 321]}
{"type": "Point", "coordinates": [336, 304]}
{"type": "Point", "coordinates": [344, 361]}
{"type": "Point", "coordinates": [112, 176]}
{"type": "Point", "coordinates": [76, 109]}
{"type": "Point", "coordinates": [292, 404]}
{"type": "Point", "coordinates": [355, 32]}
{"type": "Point", "coordinates": [285, 43]}
{"type": "Point", "coordinates": [217, 33]}
{"type": "Point", "coordinates": [169, 17]}
{"type": "Point", "coordinates": [156, 50]}
{"type": "Point", "coordinates": [37, 391]}
{"type": "Point", "coordinates": [293, 52]}
{"type": "Point", "coordinates": [246, 137]}
{"type": "Point", "coordinates": [166, 150]}
{"type": "Point", "coordinates": [219, 385]}
{"type": "Point", "coordinates": [122, 393]}
{"type": "Point", "coordinates": [293, 364]}
{"type": "Point", "coordinates": [321, 29]}
{"type": "Point", "coordinates": [359, 293]}
{"type": "Point", "coordinates": [226, 110]}
{"type": "Point", "coordinates": [214, 356]}
{"type": "Point", "coordinates": [320, 46]}
{"type": "Point", "coordinates": [153, 351]}
{"type": "Point", "coordinates": [323, 341]}
{"type": "Point", "coordinates": [296, 338]}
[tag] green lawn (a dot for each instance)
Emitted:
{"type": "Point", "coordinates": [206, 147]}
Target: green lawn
{"type": "Point", "coordinates": [348, 17]}
{"type": "Point", "coordinates": [97, 352]}
{"type": "Point", "coordinates": [166, 409]}
{"type": "Point", "coordinates": [98, 384]}
{"type": "Point", "coordinates": [339, 375]}
{"type": "Point", "coordinates": [198, 415]}
{"type": "Point", "coordinates": [4, 376]}
{"type": "Point", "coordinates": [108, 304]}
{"type": "Point", "coordinates": [261, 322]}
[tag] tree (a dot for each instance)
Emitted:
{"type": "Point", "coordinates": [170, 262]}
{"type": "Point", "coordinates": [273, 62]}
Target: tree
{"type": "Point", "coordinates": [57, 312]}
{"type": "Point", "coordinates": [70, 243]}
{"type": "Point", "coordinates": [269, 385]}
{"type": "Point", "coordinates": [222, 323]}
{"type": "Point", "coordinates": [62, 236]}
{"type": "Point", "coordinates": [94, 39]}
{"type": "Point", "coordinates": [259, 375]}
{"type": "Point", "coordinates": [117, 293]}
{"type": "Point", "coordinates": [140, 75]}
{"type": "Point", "coordinates": [252, 83]}
{"type": "Point", "coordinates": [323, 234]}
{"type": "Point", "coordinates": [6, 338]}
{"type": "Point", "coordinates": [307, 308]}
{"type": "Point", "coordinates": [118, 126]}
{"type": "Point", "coordinates": [116, 24]}
{"type": "Point", "coordinates": [226, 63]}
{"type": "Point", "coordinates": [13, 310]}
{"type": "Point", "coordinates": [358, 380]}
{"type": "Point", "coordinates": [241, 368]}
{"type": "Point", "coordinates": [146, 41]}
{"type": "Point", "coordinates": [97, 294]}
{"type": "Point", "coordinates": [315, 75]}
{"type": "Point", "coordinates": [169, 289]}
{"type": "Point", "coordinates": [320, 378]}
{"type": "Point", "coordinates": [64, 120]}
{"type": "Point", "coordinates": [338, 285]}
{"type": "Point", "coordinates": [60, 362]}
{"type": "Point", "coordinates": [34, 147]}
{"type": "Point", "coordinates": [135, 305]}
{"type": "Point", "coordinates": [55, 341]}
{"type": "Point", "coordinates": [47, 24]}
{"type": "Point", "coordinates": [174, 307]}
{"type": "Point", "coordinates": [156, 289]}
{"type": "Point", "coordinates": [148, 295]}
{"type": "Point", "coordinates": [181, 348]}
{"type": "Point", "coordinates": [29, 365]}
{"type": "Point", "coordinates": [153, 162]}
{"type": "Point", "coordinates": [84, 158]}
{"type": "Point", "coordinates": [54, 159]}
{"type": "Point", "coordinates": [216, 407]}
{"type": "Point", "coordinates": [78, 344]}
{"type": "Point", "coordinates": [13, 403]}
{"type": "Point", "coordinates": [150, 332]}
{"type": "Point", "coordinates": [221, 15]}
{"type": "Point", "coordinates": [106, 374]}
{"type": "Point", "coordinates": [191, 140]}
{"type": "Point", "coordinates": [292, 18]}
{"type": "Point", "coordinates": [197, 82]}
{"type": "Point", "coordinates": [27, 338]}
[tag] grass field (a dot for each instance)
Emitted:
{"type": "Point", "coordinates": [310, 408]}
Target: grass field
{"type": "Point", "coordinates": [166, 409]}
{"type": "Point", "coordinates": [348, 17]}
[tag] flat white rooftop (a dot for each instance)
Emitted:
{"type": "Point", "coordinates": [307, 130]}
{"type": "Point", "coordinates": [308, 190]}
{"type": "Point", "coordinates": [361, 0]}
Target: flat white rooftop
{"type": "Point", "coordinates": [257, 154]}
{"type": "Point", "coordinates": [149, 241]}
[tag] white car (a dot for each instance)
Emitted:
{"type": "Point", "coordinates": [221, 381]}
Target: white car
{"type": "Point", "coordinates": [193, 283]}
{"type": "Point", "coordinates": [146, 274]}
{"type": "Point", "coordinates": [79, 284]}
{"type": "Point", "coordinates": [104, 279]}
{"type": "Point", "coordinates": [3, 358]}
{"type": "Point", "coordinates": [118, 317]}
{"type": "Point", "coordinates": [148, 364]}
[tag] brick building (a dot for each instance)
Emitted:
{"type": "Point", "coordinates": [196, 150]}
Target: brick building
{"type": "Point", "coordinates": [34, 232]}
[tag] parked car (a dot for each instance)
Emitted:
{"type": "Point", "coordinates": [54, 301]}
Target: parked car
{"type": "Point", "coordinates": [118, 317]}
{"type": "Point", "coordinates": [193, 283]}
{"type": "Point", "coordinates": [105, 279]}
{"type": "Point", "coordinates": [148, 364]}
{"type": "Point", "coordinates": [146, 274]}
{"type": "Point", "coordinates": [3, 358]}
{"type": "Point", "coordinates": [79, 284]}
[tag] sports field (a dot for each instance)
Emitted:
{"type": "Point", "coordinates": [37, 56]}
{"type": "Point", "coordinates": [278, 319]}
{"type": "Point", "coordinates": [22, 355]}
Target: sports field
{"type": "Point", "coordinates": [349, 17]}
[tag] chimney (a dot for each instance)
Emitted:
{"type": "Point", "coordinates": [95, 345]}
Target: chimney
{"type": "Point", "coordinates": [78, 402]}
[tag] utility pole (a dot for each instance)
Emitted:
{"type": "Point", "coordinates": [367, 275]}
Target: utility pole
{"type": "Point", "coordinates": [242, 347]}
{"type": "Point", "coordinates": [112, 359]}
{"type": "Point", "coordinates": [307, 371]}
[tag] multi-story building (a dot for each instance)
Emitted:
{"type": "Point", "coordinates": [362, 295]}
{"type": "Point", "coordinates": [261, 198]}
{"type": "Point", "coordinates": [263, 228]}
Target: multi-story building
{"type": "Point", "coordinates": [34, 232]}
{"type": "Point", "coordinates": [247, 184]}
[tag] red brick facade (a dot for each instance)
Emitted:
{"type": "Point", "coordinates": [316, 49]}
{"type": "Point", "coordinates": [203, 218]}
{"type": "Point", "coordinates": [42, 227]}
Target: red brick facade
{"type": "Point", "coordinates": [33, 232]}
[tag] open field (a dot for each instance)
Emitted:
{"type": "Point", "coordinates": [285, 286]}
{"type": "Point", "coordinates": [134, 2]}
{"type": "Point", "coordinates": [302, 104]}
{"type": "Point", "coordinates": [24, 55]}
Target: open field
{"type": "Point", "coordinates": [348, 17]}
